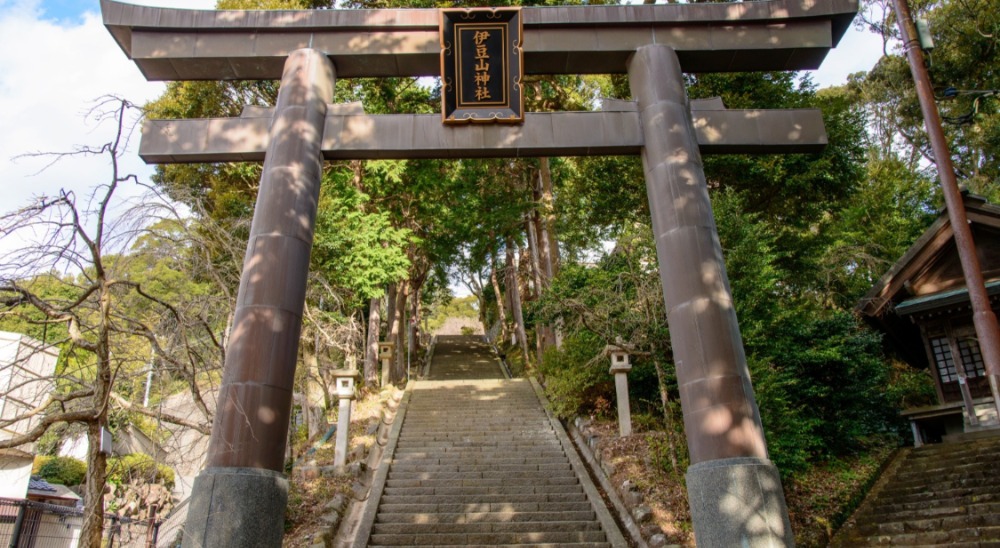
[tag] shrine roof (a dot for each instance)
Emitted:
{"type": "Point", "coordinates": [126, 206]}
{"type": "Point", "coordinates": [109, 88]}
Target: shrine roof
{"type": "Point", "coordinates": [177, 44]}
{"type": "Point", "coordinates": [954, 297]}
{"type": "Point", "coordinates": [928, 267]}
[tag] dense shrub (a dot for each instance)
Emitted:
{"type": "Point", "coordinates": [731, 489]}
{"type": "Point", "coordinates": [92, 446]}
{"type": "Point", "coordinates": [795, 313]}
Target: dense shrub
{"type": "Point", "coordinates": [574, 382]}
{"type": "Point", "coordinates": [139, 468]}
{"type": "Point", "coordinates": [60, 470]}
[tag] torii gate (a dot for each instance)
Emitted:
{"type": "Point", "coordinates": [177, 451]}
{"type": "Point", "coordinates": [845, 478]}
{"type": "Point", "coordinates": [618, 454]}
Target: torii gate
{"type": "Point", "coordinates": [734, 490]}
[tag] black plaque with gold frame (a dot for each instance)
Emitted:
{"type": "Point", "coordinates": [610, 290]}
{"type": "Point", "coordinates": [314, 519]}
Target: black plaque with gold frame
{"type": "Point", "coordinates": [481, 68]}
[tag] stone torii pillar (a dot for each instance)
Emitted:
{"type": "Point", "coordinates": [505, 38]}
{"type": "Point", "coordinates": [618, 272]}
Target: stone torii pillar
{"type": "Point", "coordinates": [239, 498]}
{"type": "Point", "coordinates": [734, 491]}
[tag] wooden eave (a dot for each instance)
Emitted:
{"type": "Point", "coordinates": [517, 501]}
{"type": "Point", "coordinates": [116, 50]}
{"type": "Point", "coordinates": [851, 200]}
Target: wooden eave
{"type": "Point", "coordinates": [921, 256]}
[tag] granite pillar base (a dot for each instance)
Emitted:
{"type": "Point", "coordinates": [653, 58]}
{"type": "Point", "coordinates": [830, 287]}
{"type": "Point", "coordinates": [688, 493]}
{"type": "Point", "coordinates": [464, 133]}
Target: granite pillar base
{"type": "Point", "coordinates": [738, 503]}
{"type": "Point", "coordinates": [236, 507]}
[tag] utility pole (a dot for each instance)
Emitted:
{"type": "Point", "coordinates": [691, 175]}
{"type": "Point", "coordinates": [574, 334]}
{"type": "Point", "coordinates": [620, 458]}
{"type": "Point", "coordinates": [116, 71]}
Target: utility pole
{"type": "Point", "coordinates": [983, 318]}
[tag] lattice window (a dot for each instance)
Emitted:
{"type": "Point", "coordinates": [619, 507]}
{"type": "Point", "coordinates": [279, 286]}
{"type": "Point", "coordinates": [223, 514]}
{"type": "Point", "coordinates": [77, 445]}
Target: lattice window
{"type": "Point", "coordinates": [971, 358]}
{"type": "Point", "coordinates": [943, 359]}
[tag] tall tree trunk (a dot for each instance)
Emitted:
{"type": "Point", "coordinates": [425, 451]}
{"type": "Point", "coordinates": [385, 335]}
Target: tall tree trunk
{"type": "Point", "coordinates": [390, 308]}
{"type": "Point", "coordinates": [514, 293]}
{"type": "Point", "coordinates": [371, 349]}
{"type": "Point", "coordinates": [668, 413]}
{"type": "Point", "coordinates": [97, 464]}
{"type": "Point", "coordinates": [548, 246]}
{"type": "Point", "coordinates": [535, 262]}
{"type": "Point", "coordinates": [399, 334]}
{"type": "Point", "coordinates": [501, 304]}
{"type": "Point", "coordinates": [543, 336]}
{"type": "Point", "coordinates": [414, 325]}
{"type": "Point", "coordinates": [390, 335]}
{"type": "Point", "coordinates": [97, 476]}
{"type": "Point", "coordinates": [550, 243]}
{"type": "Point", "coordinates": [315, 396]}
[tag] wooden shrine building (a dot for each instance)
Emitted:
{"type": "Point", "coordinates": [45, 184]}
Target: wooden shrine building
{"type": "Point", "coordinates": [922, 306]}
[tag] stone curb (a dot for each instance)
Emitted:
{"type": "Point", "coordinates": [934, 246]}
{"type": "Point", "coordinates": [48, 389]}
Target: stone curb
{"type": "Point", "coordinates": [428, 357]}
{"type": "Point", "coordinates": [888, 470]}
{"type": "Point", "coordinates": [367, 521]}
{"type": "Point", "coordinates": [608, 523]}
{"type": "Point", "coordinates": [609, 489]}
{"type": "Point", "coordinates": [496, 356]}
{"type": "Point", "coordinates": [627, 499]}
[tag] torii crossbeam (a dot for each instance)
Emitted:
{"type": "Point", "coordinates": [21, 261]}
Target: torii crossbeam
{"type": "Point", "coordinates": [734, 490]}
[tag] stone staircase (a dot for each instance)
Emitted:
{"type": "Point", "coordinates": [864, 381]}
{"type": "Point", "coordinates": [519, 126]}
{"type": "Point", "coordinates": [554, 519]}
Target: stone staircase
{"type": "Point", "coordinates": [478, 461]}
{"type": "Point", "coordinates": [942, 494]}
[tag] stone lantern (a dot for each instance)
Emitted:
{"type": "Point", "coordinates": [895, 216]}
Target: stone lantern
{"type": "Point", "coordinates": [620, 366]}
{"type": "Point", "coordinates": [345, 380]}
{"type": "Point", "coordinates": [386, 352]}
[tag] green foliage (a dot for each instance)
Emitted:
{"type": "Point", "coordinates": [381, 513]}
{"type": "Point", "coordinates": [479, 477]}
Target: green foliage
{"type": "Point", "coordinates": [574, 381]}
{"type": "Point", "coordinates": [821, 385]}
{"type": "Point", "coordinates": [357, 249]}
{"type": "Point", "coordinates": [890, 210]}
{"type": "Point", "coordinates": [139, 468]}
{"type": "Point", "coordinates": [967, 51]}
{"type": "Point", "coordinates": [60, 470]}
{"type": "Point", "coordinates": [820, 378]}
{"type": "Point", "coordinates": [909, 387]}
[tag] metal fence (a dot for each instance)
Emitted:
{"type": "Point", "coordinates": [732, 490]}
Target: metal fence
{"type": "Point", "coordinates": [29, 524]}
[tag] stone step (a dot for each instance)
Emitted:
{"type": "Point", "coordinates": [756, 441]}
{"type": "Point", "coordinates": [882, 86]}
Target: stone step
{"type": "Point", "coordinates": [416, 466]}
{"type": "Point", "coordinates": [483, 490]}
{"type": "Point", "coordinates": [505, 507]}
{"type": "Point", "coordinates": [493, 438]}
{"type": "Point", "coordinates": [948, 452]}
{"type": "Point", "coordinates": [928, 525]}
{"type": "Point", "coordinates": [508, 421]}
{"type": "Point", "coordinates": [473, 452]}
{"type": "Point", "coordinates": [432, 459]}
{"type": "Point", "coordinates": [979, 536]}
{"type": "Point", "coordinates": [536, 423]}
{"type": "Point", "coordinates": [460, 539]}
{"type": "Point", "coordinates": [412, 468]}
{"type": "Point", "coordinates": [968, 494]}
{"type": "Point", "coordinates": [515, 447]}
{"type": "Point", "coordinates": [482, 482]}
{"type": "Point", "coordinates": [947, 466]}
{"type": "Point", "coordinates": [940, 488]}
{"type": "Point", "coordinates": [415, 433]}
{"type": "Point", "coordinates": [979, 469]}
{"type": "Point", "coordinates": [532, 545]}
{"type": "Point", "coordinates": [484, 499]}
{"type": "Point", "coordinates": [500, 416]}
{"type": "Point", "coordinates": [486, 527]}
{"type": "Point", "coordinates": [479, 411]}
{"type": "Point", "coordinates": [983, 504]}
{"type": "Point", "coordinates": [489, 437]}
{"type": "Point", "coordinates": [480, 517]}
{"type": "Point", "coordinates": [528, 475]}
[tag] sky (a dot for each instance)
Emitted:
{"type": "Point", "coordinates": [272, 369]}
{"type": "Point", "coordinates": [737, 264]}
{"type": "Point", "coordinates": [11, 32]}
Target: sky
{"type": "Point", "coordinates": [57, 59]}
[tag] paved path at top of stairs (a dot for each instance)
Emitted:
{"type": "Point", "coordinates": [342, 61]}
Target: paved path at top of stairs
{"type": "Point", "coordinates": [459, 357]}
{"type": "Point", "coordinates": [478, 462]}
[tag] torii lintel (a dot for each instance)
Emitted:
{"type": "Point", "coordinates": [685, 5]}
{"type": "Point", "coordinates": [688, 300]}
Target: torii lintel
{"type": "Point", "coordinates": [350, 134]}
{"type": "Point", "coordinates": [176, 44]}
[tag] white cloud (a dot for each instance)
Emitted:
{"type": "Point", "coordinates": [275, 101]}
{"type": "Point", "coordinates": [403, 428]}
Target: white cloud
{"type": "Point", "coordinates": [51, 73]}
{"type": "Point", "coordinates": [858, 51]}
